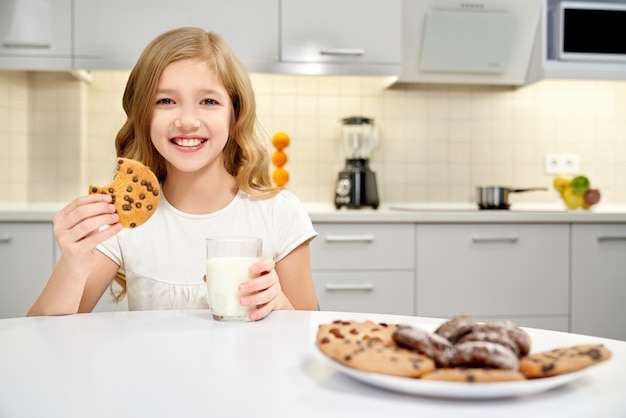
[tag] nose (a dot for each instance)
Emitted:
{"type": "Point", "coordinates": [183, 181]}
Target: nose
{"type": "Point", "coordinates": [187, 121]}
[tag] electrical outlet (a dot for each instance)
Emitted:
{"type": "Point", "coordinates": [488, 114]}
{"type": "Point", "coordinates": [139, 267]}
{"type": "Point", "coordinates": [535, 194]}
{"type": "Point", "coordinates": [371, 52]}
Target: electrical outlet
{"type": "Point", "coordinates": [561, 164]}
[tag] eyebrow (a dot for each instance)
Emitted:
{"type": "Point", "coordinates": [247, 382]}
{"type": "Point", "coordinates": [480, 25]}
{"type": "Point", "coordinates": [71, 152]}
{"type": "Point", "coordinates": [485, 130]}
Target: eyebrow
{"type": "Point", "coordinates": [203, 92]}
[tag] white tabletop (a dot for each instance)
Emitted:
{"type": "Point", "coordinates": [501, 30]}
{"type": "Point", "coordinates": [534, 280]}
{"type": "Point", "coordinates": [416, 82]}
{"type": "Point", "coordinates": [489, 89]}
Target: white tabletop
{"type": "Point", "coordinates": [184, 364]}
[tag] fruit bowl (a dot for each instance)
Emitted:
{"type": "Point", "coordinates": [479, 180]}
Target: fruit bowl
{"type": "Point", "coordinates": [576, 191]}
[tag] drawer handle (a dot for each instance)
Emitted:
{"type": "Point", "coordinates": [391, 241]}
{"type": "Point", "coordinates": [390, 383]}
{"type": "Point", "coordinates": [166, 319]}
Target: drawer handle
{"type": "Point", "coordinates": [5, 238]}
{"type": "Point", "coordinates": [511, 239]}
{"type": "Point", "coordinates": [601, 238]}
{"type": "Point", "coordinates": [343, 51]}
{"type": "Point", "coordinates": [24, 44]}
{"type": "Point", "coordinates": [349, 238]}
{"type": "Point", "coordinates": [349, 287]}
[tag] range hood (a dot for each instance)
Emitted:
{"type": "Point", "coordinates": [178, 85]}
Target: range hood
{"type": "Point", "coordinates": [483, 42]}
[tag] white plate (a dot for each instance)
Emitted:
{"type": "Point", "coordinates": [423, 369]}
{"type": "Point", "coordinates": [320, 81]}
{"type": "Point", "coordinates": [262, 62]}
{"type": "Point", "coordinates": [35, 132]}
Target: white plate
{"type": "Point", "coordinates": [460, 390]}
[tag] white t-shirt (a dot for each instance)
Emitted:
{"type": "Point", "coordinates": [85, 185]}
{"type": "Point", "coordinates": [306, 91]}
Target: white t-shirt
{"type": "Point", "coordinates": [164, 259]}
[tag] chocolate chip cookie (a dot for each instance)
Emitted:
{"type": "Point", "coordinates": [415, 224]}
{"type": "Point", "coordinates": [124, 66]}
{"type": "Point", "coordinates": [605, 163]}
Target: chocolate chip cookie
{"type": "Point", "coordinates": [134, 191]}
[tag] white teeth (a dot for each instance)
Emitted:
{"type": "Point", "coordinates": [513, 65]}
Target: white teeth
{"type": "Point", "coordinates": [187, 142]}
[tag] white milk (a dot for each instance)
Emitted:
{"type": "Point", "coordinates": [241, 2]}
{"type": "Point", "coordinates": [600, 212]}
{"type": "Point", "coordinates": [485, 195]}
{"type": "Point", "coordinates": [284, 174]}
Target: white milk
{"type": "Point", "coordinates": [223, 277]}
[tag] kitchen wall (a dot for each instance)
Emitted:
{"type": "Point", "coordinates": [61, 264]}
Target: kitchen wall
{"type": "Point", "coordinates": [437, 141]}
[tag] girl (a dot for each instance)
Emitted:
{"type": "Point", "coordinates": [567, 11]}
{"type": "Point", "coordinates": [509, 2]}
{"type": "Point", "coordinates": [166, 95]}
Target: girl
{"type": "Point", "coordinates": [191, 117]}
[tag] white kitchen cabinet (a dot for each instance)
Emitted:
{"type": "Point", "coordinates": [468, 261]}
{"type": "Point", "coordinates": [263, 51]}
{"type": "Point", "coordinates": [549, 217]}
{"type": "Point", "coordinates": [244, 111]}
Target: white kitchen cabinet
{"type": "Point", "coordinates": [27, 257]}
{"type": "Point", "coordinates": [111, 34]}
{"type": "Point", "coordinates": [599, 280]}
{"type": "Point", "coordinates": [36, 34]}
{"type": "Point", "coordinates": [28, 254]}
{"type": "Point", "coordinates": [494, 271]}
{"type": "Point", "coordinates": [353, 33]}
{"type": "Point", "coordinates": [364, 267]}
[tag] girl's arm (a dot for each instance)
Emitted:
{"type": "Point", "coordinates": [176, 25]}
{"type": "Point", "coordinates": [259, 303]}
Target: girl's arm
{"type": "Point", "coordinates": [82, 272]}
{"type": "Point", "coordinates": [296, 278]}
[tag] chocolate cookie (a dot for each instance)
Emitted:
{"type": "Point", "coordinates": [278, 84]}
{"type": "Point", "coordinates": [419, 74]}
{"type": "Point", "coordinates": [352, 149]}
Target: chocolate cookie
{"type": "Point", "coordinates": [563, 360]}
{"type": "Point", "coordinates": [494, 336]}
{"type": "Point", "coordinates": [515, 333]}
{"type": "Point", "coordinates": [427, 343]}
{"type": "Point", "coordinates": [474, 375]}
{"type": "Point", "coordinates": [456, 327]}
{"type": "Point", "coordinates": [484, 354]}
{"type": "Point", "coordinates": [135, 192]}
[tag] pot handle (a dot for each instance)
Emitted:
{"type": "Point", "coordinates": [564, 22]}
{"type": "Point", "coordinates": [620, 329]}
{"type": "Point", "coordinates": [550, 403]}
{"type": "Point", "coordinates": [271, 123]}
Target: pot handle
{"type": "Point", "coordinates": [527, 190]}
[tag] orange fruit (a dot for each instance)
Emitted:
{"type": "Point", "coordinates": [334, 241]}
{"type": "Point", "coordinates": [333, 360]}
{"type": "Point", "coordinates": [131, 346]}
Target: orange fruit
{"type": "Point", "coordinates": [280, 140]}
{"type": "Point", "coordinates": [279, 158]}
{"type": "Point", "coordinates": [280, 177]}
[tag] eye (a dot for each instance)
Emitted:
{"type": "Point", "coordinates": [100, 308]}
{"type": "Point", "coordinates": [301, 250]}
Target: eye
{"type": "Point", "coordinates": [209, 102]}
{"type": "Point", "coordinates": [165, 101]}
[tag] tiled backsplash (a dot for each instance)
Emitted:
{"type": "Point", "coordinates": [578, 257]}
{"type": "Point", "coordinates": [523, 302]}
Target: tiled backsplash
{"type": "Point", "coordinates": [437, 141]}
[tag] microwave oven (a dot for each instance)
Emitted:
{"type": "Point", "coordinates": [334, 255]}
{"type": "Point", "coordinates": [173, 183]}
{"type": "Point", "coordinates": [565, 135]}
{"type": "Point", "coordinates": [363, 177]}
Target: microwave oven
{"type": "Point", "coordinates": [590, 31]}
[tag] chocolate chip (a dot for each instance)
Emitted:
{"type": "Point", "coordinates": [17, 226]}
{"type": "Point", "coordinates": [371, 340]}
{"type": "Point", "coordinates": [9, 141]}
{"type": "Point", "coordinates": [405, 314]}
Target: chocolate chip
{"type": "Point", "coordinates": [144, 182]}
{"type": "Point", "coordinates": [127, 207]}
{"type": "Point", "coordinates": [129, 171]}
{"type": "Point", "coordinates": [132, 225]}
{"type": "Point", "coordinates": [120, 161]}
{"type": "Point", "coordinates": [594, 353]}
{"type": "Point", "coordinates": [135, 179]}
{"type": "Point", "coordinates": [129, 189]}
{"type": "Point", "coordinates": [94, 189]}
{"type": "Point", "coordinates": [142, 196]}
{"type": "Point", "coordinates": [138, 205]}
{"type": "Point", "coordinates": [547, 367]}
{"type": "Point", "coordinates": [111, 190]}
{"type": "Point", "coordinates": [155, 192]}
{"type": "Point", "coordinates": [149, 207]}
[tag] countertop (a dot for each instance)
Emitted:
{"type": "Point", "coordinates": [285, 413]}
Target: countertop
{"type": "Point", "coordinates": [400, 212]}
{"type": "Point", "coordinates": [184, 364]}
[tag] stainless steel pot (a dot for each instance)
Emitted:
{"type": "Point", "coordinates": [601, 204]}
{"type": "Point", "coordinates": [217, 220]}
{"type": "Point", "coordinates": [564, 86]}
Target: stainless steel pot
{"type": "Point", "coordinates": [496, 197]}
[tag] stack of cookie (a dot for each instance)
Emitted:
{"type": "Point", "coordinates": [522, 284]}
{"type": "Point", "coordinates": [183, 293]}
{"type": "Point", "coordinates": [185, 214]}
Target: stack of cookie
{"type": "Point", "coordinates": [461, 349]}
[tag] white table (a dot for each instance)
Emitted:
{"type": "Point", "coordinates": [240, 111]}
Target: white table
{"type": "Point", "coordinates": [173, 363]}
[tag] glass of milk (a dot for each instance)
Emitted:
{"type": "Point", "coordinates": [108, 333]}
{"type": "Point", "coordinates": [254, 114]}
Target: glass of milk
{"type": "Point", "coordinates": [228, 264]}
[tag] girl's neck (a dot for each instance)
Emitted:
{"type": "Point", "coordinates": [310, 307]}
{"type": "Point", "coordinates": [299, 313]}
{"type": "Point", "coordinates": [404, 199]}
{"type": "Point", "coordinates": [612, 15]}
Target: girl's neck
{"type": "Point", "coordinates": [199, 192]}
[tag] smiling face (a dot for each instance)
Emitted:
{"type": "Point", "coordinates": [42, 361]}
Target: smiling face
{"type": "Point", "coordinates": [191, 117]}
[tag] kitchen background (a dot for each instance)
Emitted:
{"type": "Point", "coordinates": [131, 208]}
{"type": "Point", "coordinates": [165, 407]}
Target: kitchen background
{"type": "Point", "coordinates": [438, 141]}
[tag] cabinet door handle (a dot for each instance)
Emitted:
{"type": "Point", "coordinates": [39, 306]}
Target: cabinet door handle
{"type": "Point", "coordinates": [343, 51]}
{"type": "Point", "coordinates": [349, 238]}
{"type": "Point", "coordinates": [478, 239]}
{"type": "Point", "coordinates": [5, 238]}
{"type": "Point", "coordinates": [601, 238]}
{"type": "Point", "coordinates": [349, 287]}
{"type": "Point", "coordinates": [25, 44]}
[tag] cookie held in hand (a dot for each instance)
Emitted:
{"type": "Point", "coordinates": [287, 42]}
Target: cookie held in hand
{"type": "Point", "coordinates": [134, 191]}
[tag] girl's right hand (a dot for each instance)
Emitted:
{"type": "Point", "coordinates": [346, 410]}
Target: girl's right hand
{"type": "Point", "coordinates": [78, 229]}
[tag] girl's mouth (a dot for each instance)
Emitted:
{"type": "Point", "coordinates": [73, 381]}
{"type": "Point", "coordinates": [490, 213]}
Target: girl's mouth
{"type": "Point", "coordinates": [188, 142]}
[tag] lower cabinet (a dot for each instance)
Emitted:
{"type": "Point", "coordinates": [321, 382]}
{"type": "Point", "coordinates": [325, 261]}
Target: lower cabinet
{"type": "Point", "coordinates": [28, 254]}
{"type": "Point", "coordinates": [27, 257]}
{"type": "Point", "coordinates": [599, 280]}
{"type": "Point", "coordinates": [365, 267]}
{"type": "Point", "coordinates": [494, 271]}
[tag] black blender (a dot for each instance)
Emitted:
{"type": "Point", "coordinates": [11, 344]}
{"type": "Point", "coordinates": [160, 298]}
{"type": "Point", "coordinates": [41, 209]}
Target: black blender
{"type": "Point", "coordinates": [356, 184]}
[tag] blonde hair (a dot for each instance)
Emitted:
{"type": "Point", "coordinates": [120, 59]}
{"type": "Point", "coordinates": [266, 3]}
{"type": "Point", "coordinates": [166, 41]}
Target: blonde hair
{"type": "Point", "coordinates": [246, 154]}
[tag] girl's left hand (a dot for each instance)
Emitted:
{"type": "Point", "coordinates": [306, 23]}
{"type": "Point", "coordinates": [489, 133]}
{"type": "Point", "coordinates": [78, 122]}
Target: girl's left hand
{"type": "Point", "coordinates": [263, 290]}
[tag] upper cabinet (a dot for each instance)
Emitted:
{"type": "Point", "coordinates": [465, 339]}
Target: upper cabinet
{"type": "Point", "coordinates": [341, 36]}
{"type": "Point", "coordinates": [112, 34]}
{"type": "Point", "coordinates": [36, 34]}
